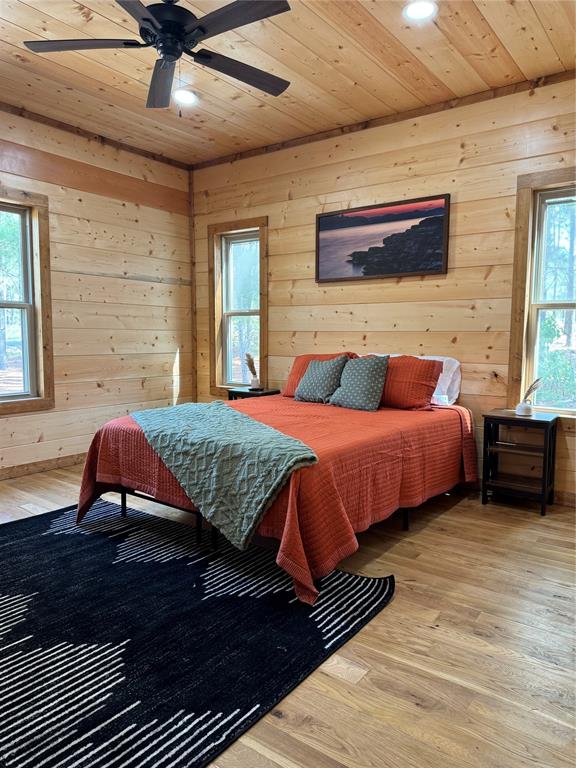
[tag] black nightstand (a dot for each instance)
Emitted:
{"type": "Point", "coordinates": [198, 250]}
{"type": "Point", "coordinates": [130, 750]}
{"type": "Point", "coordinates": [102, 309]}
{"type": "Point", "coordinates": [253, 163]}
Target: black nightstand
{"type": "Point", "coordinates": [239, 393]}
{"type": "Point", "coordinates": [539, 489]}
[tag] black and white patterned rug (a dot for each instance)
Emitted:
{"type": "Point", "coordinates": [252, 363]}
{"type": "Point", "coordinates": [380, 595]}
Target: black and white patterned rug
{"type": "Point", "coordinates": [125, 644]}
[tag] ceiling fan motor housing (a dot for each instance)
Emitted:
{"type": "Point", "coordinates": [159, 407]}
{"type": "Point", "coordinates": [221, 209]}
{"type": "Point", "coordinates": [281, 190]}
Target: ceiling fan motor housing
{"type": "Point", "coordinates": [172, 38]}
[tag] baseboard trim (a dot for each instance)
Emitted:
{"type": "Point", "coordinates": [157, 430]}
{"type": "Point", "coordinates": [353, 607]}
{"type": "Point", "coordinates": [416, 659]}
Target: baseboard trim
{"type": "Point", "coordinates": [7, 473]}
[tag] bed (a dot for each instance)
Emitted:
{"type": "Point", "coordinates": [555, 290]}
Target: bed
{"type": "Point", "coordinates": [370, 465]}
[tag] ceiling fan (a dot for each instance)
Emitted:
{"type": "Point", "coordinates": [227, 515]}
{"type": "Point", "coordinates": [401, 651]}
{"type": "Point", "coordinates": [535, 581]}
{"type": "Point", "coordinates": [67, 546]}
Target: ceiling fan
{"type": "Point", "coordinates": [172, 31]}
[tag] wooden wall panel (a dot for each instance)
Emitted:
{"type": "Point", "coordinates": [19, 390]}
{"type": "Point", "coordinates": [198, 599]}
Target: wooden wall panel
{"type": "Point", "coordinates": [475, 152]}
{"type": "Point", "coordinates": [36, 135]}
{"type": "Point", "coordinates": [121, 277]}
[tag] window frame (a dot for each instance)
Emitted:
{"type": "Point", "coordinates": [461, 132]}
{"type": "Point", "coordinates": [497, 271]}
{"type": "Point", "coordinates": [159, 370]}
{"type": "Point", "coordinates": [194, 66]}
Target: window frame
{"type": "Point", "coordinates": [25, 305]}
{"type": "Point", "coordinates": [531, 189]}
{"type": "Point", "coordinates": [219, 320]}
{"type": "Point", "coordinates": [227, 239]}
{"type": "Point", "coordinates": [38, 307]}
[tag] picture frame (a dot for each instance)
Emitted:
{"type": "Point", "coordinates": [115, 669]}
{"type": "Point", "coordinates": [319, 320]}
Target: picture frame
{"type": "Point", "coordinates": [351, 244]}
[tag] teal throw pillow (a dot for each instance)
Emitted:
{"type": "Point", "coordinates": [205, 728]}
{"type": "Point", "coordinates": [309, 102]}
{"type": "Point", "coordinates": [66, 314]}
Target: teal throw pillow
{"type": "Point", "coordinates": [361, 384]}
{"type": "Point", "coordinates": [321, 380]}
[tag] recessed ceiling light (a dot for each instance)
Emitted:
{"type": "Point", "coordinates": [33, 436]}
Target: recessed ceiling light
{"type": "Point", "coordinates": [184, 96]}
{"type": "Point", "coordinates": [420, 10]}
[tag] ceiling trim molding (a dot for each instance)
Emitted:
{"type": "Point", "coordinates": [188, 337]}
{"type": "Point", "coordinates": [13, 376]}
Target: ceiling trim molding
{"type": "Point", "coordinates": [50, 121]}
{"type": "Point", "coordinates": [461, 101]}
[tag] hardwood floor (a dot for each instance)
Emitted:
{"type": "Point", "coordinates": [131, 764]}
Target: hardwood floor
{"type": "Point", "coordinates": [471, 665]}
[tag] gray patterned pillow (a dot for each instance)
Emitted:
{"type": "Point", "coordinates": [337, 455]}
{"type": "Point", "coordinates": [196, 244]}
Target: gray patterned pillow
{"type": "Point", "coordinates": [362, 384]}
{"type": "Point", "coordinates": [321, 379]}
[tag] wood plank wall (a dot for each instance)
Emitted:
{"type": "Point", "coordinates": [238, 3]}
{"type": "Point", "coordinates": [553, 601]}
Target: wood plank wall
{"type": "Point", "coordinates": [475, 152]}
{"type": "Point", "coordinates": [121, 287]}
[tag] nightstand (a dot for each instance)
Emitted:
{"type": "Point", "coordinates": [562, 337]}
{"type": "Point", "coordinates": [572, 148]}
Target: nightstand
{"type": "Point", "coordinates": [239, 393]}
{"type": "Point", "coordinates": [539, 489]}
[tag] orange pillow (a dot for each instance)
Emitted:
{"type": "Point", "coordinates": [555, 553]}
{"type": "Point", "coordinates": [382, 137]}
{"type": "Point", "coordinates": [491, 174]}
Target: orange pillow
{"type": "Point", "coordinates": [299, 367]}
{"type": "Point", "coordinates": [410, 382]}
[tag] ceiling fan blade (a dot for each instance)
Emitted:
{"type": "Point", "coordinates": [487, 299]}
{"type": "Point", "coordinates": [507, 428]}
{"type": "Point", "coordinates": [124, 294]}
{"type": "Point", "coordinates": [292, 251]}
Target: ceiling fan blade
{"type": "Point", "coordinates": [234, 15]}
{"type": "Point", "coordinates": [161, 84]}
{"type": "Point", "coordinates": [240, 71]}
{"type": "Point", "coordinates": [47, 46]}
{"type": "Point", "coordinates": [138, 11]}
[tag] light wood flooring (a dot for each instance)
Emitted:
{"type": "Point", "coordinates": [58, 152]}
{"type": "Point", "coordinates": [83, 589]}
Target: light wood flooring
{"type": "Point", "coordinates": [470, 666]}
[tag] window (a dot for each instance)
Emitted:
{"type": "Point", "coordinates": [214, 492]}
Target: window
{"type": "Point", "coordinates": [240, 305]}
{"type": "Point", "coordinates": [17, 333]}
{"type": "Point", "coordinates": [551, 323]}
{"type": "Point", "coordinates": [25, 338]}
{"type": "Point", "coordinates": [238, 298]}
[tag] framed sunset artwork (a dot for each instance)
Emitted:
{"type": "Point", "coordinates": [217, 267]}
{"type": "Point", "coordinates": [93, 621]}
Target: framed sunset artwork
{"type": "Point", "coordinates": [409, 237]}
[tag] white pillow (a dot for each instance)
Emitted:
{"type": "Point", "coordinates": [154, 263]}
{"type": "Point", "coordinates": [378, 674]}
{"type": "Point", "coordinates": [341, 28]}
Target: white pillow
{"type": "Point", "coordinates": [448, 387]}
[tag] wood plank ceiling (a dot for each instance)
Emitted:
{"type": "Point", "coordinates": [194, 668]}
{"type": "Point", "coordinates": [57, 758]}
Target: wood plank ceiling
{"type": "Point", "coordinates": [348, 61]}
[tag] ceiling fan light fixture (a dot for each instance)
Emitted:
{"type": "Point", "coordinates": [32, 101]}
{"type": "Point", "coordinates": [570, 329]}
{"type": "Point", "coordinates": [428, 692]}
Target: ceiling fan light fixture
{"type": "Point", "coordinates": [174, 30]}
{"type": "Point", "coordinates": [185, 97]}
{"type": "Point", "coordinates": [420, 10]}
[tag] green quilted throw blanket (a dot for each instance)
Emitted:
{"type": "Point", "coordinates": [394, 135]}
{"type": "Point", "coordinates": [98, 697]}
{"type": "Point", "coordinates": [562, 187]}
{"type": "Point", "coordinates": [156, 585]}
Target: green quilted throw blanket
{"type": "Point", "coordinates": [230, 466]}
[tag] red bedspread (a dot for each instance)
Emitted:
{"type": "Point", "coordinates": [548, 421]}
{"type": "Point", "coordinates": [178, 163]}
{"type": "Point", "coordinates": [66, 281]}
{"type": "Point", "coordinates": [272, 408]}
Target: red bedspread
{"type": "Point", "coordinates": [370, 464]}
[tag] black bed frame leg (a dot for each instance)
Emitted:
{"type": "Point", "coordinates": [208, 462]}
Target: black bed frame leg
{"type": "Point", "coordinates": [214, 537]}
{"type": "Point", "coordinates": [123, 508]}
{"type": "Point", "coordinates": [405, 519]}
